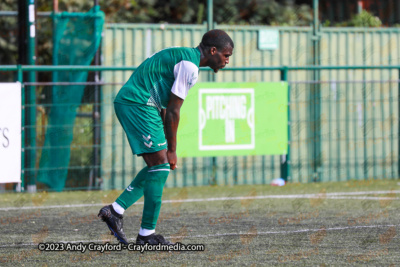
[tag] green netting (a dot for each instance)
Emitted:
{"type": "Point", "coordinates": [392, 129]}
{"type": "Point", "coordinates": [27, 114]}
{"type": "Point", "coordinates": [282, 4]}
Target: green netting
{"type": "Point", "coordinates": [77, 39]}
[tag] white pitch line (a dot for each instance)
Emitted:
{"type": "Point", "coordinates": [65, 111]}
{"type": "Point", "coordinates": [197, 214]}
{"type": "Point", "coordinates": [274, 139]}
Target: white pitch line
{"type": "Point", "coordinates": [285, 232]}
{"type": "Point", "coordinates": [225, 234]}
{"type": "Point", "coordinates": [52, 207]}
{"type": "Point", "coordinates": [336, 195]}
{"type": "Point", "coordinates": [368, 198]}
{"type": "Point", "coordinates": [362, 193]}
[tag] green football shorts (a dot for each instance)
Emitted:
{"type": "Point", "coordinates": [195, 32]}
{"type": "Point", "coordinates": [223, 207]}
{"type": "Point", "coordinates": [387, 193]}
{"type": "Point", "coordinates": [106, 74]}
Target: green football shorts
{"type": "Point", "coordinates": [143, 126]}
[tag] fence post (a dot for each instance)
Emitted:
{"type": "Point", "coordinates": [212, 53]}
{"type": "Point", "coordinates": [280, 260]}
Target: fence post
{"type": "Point", "coordinates": [96, 110]}
{"type": "Point", "coordinates": [211, 78]}
{"type": "Point", "coordinates": [20, 79]}
{"type": "Point", "coordinates": [210, 14]}
{"type": "Point", "coordinates": [285, 159]}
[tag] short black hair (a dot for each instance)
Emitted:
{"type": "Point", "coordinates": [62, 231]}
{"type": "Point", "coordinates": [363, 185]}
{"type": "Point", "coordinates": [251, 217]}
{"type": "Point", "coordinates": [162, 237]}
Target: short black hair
{"type": "Point", "coordinates": [217, 38]}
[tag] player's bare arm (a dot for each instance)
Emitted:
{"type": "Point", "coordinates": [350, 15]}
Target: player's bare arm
{"type": "Point", "coordinates": [172, 116]}
{"type": "Point", "coordinates": [162, 114]}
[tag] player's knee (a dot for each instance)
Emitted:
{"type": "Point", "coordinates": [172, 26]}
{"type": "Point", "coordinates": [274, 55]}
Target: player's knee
{"type": "Point", "coordinates": [156, 202]}
{"type": "Point", "coordinates": [157, 175]}
{"type": "Point", "coordinates": [159, 170]}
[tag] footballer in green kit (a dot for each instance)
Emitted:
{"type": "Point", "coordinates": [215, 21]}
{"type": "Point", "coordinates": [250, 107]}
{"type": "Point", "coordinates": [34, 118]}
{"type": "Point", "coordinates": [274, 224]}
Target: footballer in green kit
{"type": "Point", "coordinates": [148, 108]}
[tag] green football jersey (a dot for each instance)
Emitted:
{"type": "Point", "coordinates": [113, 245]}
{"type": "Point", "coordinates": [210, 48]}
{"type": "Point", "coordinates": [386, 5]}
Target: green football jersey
{"type": "Point", "coordinates": [174, 69]}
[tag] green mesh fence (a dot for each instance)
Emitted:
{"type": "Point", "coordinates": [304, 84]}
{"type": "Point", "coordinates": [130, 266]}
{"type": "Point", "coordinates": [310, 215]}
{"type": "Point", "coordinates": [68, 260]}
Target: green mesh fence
{"type": "Point", "coordinates": [77, 38]}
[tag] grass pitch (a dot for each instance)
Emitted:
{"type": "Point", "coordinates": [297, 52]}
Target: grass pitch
{"type": "Point", "coordinates": [346, 223]}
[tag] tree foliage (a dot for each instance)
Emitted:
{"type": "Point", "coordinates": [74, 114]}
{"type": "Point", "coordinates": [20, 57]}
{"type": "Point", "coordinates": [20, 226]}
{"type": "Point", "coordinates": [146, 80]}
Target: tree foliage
{"type": "Point", "coordinates": [8, 34]}
{"type": "Point", "coordinates": [365, 19]}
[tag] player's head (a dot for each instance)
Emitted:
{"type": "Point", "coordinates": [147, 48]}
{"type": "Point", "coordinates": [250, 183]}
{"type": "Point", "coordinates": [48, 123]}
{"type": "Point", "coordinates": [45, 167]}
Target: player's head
{"type": "Point", "coordinates": [218, 47]}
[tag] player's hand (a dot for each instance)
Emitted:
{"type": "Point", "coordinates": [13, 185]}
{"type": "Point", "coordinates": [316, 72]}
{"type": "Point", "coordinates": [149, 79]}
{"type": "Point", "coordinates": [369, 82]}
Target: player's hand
{"type": "Point", "coordinates": [172, 159]}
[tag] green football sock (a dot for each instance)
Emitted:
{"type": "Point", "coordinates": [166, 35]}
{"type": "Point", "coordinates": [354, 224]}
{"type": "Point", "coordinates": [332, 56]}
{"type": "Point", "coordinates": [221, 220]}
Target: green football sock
{"type": "Point", "coordinates": [153, 189]}
{"type": "Point", "coordinates": [134, 191]}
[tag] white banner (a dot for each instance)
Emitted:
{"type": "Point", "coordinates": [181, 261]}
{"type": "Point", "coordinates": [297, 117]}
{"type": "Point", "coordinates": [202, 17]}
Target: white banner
{"type": "Point", "coordinates": [10, 132]}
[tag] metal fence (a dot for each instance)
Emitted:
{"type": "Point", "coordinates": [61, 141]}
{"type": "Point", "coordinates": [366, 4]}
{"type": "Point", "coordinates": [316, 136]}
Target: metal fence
{"type": "Point", "coordinates": [345, 128]}
{"type": "Point", "coordinates": [130, 44]}
{"type": "Point", "coordinates": [342, 126]}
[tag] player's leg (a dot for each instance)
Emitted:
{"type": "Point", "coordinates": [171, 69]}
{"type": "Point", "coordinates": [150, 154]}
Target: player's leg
{"type": "Point", "coordinates": [113, 214]}
{"type": "Point", "coordinates": [156, 177]}
{"type": "Point", "coordinates": [135, 190]}
{"type": "Point", "coordinates": [132, 193]}
{"type": "Point", "coordinates": [144, 130]}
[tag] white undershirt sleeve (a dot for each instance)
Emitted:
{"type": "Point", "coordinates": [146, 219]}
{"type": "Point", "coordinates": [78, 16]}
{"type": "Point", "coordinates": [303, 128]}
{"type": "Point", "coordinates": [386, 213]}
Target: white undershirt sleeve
{"type": "Point", "coordinates": [186, 74]}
